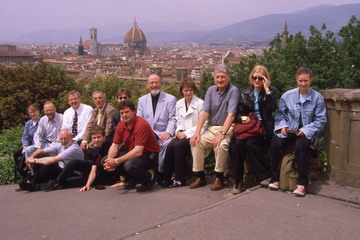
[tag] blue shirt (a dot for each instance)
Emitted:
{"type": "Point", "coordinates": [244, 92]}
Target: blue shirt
{"type": "Point", "coordinates": [27, 138]}
{"type": "Point", "coordinates": [312, 113]}
{"type": "Point", "coordinates": [220, 105]}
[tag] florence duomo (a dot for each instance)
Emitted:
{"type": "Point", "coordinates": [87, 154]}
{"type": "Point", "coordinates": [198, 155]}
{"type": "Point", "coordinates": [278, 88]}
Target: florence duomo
{"type": "Point", "coordinates": [134, 44]}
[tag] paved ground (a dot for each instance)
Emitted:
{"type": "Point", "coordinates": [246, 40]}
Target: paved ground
{"type": "Point", "coordinates": [330, 212]}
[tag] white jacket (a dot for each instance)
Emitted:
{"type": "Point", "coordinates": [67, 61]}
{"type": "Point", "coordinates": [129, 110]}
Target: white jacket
{"type": "Point", "coordinates": [187, 121]}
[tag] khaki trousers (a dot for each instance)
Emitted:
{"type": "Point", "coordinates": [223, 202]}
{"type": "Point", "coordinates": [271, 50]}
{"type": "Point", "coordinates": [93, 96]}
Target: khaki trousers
{"type": "Point", "coordinates": [201, 150]}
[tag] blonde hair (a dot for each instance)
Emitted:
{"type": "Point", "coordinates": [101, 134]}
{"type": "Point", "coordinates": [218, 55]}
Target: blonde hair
{"type": "Point", "coordinates": [259, 68]}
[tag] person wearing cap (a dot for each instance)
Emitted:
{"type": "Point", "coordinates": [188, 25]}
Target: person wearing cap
{"type": "Point", "coordinates": [220, 106]}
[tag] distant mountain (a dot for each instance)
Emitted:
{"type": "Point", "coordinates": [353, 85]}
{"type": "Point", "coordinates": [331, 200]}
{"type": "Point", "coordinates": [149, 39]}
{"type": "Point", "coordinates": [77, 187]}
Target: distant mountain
{"type": "Point", "coordinates": [265, 28]}
{"type": "Point", "coordinates": [259, 29]}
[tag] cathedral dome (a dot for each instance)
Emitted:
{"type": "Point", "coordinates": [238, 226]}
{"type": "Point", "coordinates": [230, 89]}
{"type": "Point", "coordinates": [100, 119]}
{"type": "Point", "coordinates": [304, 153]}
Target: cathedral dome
{"type": "Point", "coordinates": [135, 34]}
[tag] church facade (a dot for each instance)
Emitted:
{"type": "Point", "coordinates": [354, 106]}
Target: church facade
{"type": "Point", "coordinates": [134, 44]}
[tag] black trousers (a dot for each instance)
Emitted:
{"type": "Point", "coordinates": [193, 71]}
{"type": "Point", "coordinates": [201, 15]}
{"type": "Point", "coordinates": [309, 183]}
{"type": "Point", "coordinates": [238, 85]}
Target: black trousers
{"type": "Point", "coordinates": [301, 153]}
{"type": "Point", "coordinates": [45, 173]}
{"type": "Point", "coordinates": [20, 165]}
{"type": "Point", "coordinates": [254, 146]}
{"type": "Point", "coordinates": [137, 168]}
{"type": "Point", "coordinates": [75, 173]}
{"type": "Point", "coordinates": [175, 159]}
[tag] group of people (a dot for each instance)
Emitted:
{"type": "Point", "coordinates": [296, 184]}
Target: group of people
{"type": "Point", "coordinates": [136, 148]}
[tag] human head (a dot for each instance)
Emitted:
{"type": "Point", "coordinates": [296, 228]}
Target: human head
{"type": "Point", "coordinates": [99, 99]}
{"type": "Point", "coordinates": [258, 70]}
{"type": "Point", "coordinates": [154, 84]}
{"type": "Point", "coordinates": [127, 111]}
{"type": "Point", "coordinates": [65, 137]}
{"type": "Point", "coordinates": [33, 111]}
{"type": "Point", "coordinates": [97, 136]}
{"type": "Point", "coordinates": [221, 77]}
{"type": "Point", "coordinates": [74, 99]}
{"type": "Point", "coordinates": [187, 84]}
{"type": "Point", "coordinates": [49, 109]}
{"type": "Point", "coordinates": [303, 79]}
{"type": "Point", "coordinates": [123, 94]}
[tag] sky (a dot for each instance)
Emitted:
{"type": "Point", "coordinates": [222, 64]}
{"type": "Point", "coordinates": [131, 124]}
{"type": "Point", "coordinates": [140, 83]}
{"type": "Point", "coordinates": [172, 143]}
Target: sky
{"type": "Point", "coordinates": [18, 17]}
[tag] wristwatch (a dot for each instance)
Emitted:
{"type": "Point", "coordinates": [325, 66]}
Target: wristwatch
{"type": "Point", "coordinates": [223, 132]}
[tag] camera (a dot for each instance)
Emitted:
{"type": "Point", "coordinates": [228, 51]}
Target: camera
{"type": "Point", "coordinates": [292, 132]}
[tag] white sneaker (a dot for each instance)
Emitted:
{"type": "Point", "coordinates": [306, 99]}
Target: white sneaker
{"type": "Point", "coordinates": [300, 190]}
{"type": "Point", "coordinates": [274, 186]}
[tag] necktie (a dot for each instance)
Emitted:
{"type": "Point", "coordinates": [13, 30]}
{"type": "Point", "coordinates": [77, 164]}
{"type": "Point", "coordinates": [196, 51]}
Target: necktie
{"type": "Point", "coordinates": [99, 118]}
{"type": "Point", "coordinates": [75, 124]}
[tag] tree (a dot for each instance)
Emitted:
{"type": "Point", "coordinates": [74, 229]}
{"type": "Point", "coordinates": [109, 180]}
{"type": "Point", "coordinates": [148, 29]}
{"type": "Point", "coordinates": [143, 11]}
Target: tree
{"type": "Point", "coordinates": [27, 84]}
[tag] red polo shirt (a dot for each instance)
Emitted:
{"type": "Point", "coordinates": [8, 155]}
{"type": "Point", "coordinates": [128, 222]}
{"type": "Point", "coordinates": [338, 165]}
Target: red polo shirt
{"type": "Point", "coordinates": [140, 135]}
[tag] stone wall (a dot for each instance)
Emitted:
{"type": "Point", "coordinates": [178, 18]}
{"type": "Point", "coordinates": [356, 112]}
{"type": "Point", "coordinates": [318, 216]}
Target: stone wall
{"type": "Point", "coordinates": [342, 135]}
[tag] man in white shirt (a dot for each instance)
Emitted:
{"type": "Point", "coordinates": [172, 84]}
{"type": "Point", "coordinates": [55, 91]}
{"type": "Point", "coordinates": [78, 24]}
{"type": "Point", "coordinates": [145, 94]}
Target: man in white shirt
{"type": "Point", "coordinates": [77, 116]}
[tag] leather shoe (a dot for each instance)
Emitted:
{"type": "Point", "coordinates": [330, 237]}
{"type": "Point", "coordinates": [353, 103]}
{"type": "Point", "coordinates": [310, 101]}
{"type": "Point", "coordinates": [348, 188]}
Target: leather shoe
{"type": "Point", "coordinates": [198, 182]}
{"type": "Point", "coordinates": [217, 184]}
{"type": "Point", "coordinates": [237, 188]}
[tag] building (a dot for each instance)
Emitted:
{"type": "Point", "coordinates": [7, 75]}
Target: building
{"type": "Point", "coordinates": [134, 44]}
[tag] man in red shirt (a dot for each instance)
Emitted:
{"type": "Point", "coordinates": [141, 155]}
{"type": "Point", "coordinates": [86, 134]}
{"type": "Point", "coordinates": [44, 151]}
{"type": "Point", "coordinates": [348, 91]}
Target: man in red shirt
{"type": "Point", "coordinates": [141, 149]}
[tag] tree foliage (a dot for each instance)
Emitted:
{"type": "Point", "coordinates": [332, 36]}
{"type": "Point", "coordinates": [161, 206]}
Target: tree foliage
{"type": "Point", "coordinates": [26, 84]}
{"type": "Point", "coordinates": [333, 58]}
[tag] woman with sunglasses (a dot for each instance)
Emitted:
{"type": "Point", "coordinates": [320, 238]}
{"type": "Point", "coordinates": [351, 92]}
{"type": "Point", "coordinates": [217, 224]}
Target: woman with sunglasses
{"type": "Point", "coordinates": [261, 99]}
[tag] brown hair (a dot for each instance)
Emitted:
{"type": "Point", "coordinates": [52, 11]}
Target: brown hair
{"type": "Point", "coordinates": [304, 71]}
{"type": "Point", "coordinates": [32, 106]}
{"type": "Point", "coordinates": [189, 84]}
{"type": "Point", "coordinates": [97, 129]}
{"type": "Point", "coordinates": [259, 68]}
{"type": "Point", "coordinates": [123, 91]}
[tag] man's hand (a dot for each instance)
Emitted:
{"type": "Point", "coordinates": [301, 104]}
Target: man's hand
{"type": "Point", "coordinates": [194, 139]}
{"type": "Point", "coordinates": [30, 162]}
{"type": "Point", "coordinates": [84, 145]}
{"type": "Point", "coordinates": [165, 136]}
{"type": "Point", "coordinates": [110, 164]}
{"type": "Point", "coordinates": [180, 134]}
{"type": "Point", "coordinates": [85, 188]}
{"type": "Point", "coordinates": [217, 140]}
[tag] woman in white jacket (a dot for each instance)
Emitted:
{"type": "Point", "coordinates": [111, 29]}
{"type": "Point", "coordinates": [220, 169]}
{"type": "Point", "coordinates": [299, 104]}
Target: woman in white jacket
{"type": "Point", "coordinates": [187, 114]}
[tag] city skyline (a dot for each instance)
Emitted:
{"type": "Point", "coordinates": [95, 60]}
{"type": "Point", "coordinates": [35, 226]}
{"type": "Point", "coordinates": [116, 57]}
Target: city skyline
{"type": "Point", "coordinates": [20, 17]}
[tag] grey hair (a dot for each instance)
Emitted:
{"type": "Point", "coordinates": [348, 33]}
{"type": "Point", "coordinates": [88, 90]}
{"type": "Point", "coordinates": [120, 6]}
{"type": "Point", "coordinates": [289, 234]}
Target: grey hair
{"type": "Point", "coordinates": [74, 92]}
{"type": "Point", "coordinates": [104, 95]}
{"type": "Point", "coordinates": [221, 68]}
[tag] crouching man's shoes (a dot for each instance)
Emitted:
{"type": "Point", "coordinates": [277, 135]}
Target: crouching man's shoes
{"type": "Point", "coordinates": [198, 182]}
{"type": "Point", "coordinates": [217, 184]}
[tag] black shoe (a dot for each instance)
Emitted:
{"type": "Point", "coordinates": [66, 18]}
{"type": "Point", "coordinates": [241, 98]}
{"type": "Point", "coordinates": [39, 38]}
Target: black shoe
{"type": "Point", "coordinates": [27, 186]}
{"type": "Point", "coordinates": [144, 188]}
{"type": "Point", "coordinates": [51, 185]}
{"type": "Point", "coordinates": [130, 185]}
{"type": "Point", "coordinates": [153, 179]}
{"type": "Point", "coordinates": [175, 184]}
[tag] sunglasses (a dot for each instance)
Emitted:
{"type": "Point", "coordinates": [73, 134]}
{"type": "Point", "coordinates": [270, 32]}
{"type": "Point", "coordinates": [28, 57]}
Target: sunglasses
{"type": "Point", "coordinates": [258, 78]}
{"type": "Point", "coordinates": [122, 98]}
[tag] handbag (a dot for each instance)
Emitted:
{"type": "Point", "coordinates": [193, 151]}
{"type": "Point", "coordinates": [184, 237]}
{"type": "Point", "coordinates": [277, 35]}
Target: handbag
{"type": "Point", "coordinates": [251, 129]}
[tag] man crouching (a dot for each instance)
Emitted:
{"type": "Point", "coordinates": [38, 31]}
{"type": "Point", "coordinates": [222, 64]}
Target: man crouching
{"type": "Point", "coordinates": [141, 149]}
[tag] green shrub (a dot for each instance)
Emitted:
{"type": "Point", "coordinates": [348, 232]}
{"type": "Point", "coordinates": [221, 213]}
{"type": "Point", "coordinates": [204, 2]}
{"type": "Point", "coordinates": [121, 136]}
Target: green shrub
{"type": "Point", "coordinates": [10, 140]}
{"type": "Point", "coordinates": [7, 175]}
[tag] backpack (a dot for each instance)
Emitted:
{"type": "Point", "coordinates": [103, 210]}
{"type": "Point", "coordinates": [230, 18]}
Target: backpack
{"type": "Point", "coordinates": [288, 173]}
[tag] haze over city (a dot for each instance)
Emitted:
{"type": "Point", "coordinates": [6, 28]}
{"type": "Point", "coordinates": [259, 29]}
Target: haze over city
{"type": "Point", "coordinates": [20, 17]}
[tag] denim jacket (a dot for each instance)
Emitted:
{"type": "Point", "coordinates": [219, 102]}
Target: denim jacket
{"type": "Point", "coordinates": [313, 113]}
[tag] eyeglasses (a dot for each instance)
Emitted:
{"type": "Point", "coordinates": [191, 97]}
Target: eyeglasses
{"type": "Point", "coordinates": [258, 78]}
{"type": "Point", "coordinates": [122, 98]}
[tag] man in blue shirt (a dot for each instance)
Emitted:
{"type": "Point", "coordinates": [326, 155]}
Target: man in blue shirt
{"type": "Point", "coordinates": [301, 114]}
